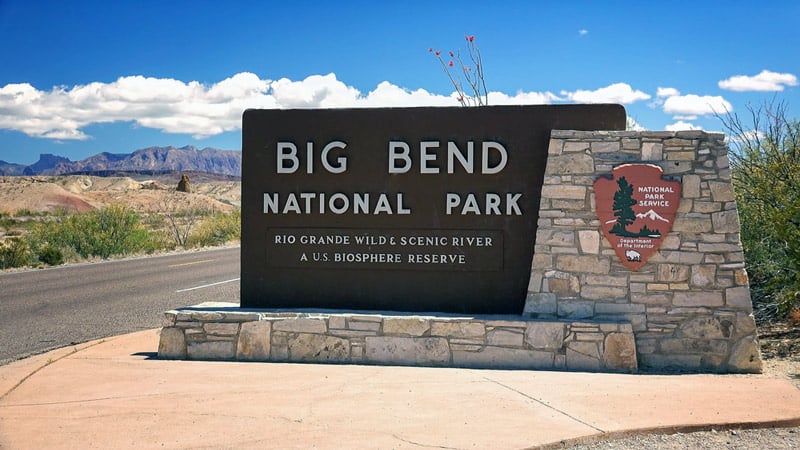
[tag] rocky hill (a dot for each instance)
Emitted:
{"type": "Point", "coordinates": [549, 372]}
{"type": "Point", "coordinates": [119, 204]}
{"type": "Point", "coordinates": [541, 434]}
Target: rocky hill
{"type": "Point", "coordinates": [152, 160]}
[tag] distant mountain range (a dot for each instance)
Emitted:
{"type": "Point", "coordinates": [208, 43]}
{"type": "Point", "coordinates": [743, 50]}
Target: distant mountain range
{"type": "Point", "coordinates": [147, 160]}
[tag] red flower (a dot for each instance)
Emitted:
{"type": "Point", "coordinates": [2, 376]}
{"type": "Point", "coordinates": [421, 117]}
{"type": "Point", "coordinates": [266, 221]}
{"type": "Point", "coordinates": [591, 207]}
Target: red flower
{"type": "Point", "coordinates": [451, 64]}
{"type": "Point", "coordinates": [451, 54]}
{"type": "Point", "coordinates": [471, 38]}
{"type": "Point", "coordinates": [430, 49]}
{"type": "Point", "coordinates": [438, 53]}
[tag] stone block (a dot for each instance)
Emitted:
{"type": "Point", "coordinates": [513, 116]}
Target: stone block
{"type": "Point", "coordinates": [681, 156]}
{"type": "Point", "coordinates": [172, 343]}
{"type": "Point", "coordinates": [564, 285]}
{"type": "Point", "coordinates": [583, 264]}
{"type": "Point", "coordinates": [704, 347]}
{"type": "Point", "coordinates": [545, 335]}
{"type": "Point", "coordinates": [337, 322]}
{"type": "Point", "coordinates": [555, 147]}
{"type": "Point", "coordinates": [619, 352]}
{"type": "Point", "coordinates": [279, 346]}
{"type": "Point", "coordinates": [607, 280]}
{"type": "Point", "coordinates": [254, 341]}
{"type": "Point", "coordinates": [704, 275]}
{"type": "Point", "coordinates": [631, 144]}
{"type": "Point", "coordinates": [652, 151]}
{"type": "Point", "coordinates": [540, 303]}
{"type": "Point", "coordinates": [619, 308]}
{"type": "Point", "coordinates": [406, 326]}
{"type": "Point", "coordinates": [501, 357]}
{"type": "Point", "coordinates": [407, 350]}
{"type": "Point", "coordinates": [691, 186]}
{"type": "Point", "coordinates": [661, 361]}
{"type": "Point", "coordinates": [363, 326]}
{"type": "Point", "coordinates": [575, 146]}
{"type": "Point", "coordinates": [738, 297]}
{"type": "Point", "coordinates": [745, 324]}
{"type": "Point", "coordinates": [706, 207]}
{"type": "Point", "coordinates": [698, 298]}
{"type": "Point", "coordinates": [542, 261]}
{"type": "Point", "coordinates": [583, 356]}
{"type": "Point", "coordinates": [694, 224]}
{"type": "Point", "coordinates": [207, 316]}
{"type": "Point", "coordinates": [211, 350]}
{"type": "Point", "coordinates": [561, 238]}
{"type": "Point", "coordinates": [725, 221]}
{"type": "Point", "coordinates": [570, 164]}
{"type": "Point", "coordinates": [721, 191]}
{"type": "Point", "coordinates": [574, 309]}
{"type": "Point", "coordinates": [221, 329]}
{"type": "Point", "coordinates": [504, 338]}
{"type": "Point", "coordinates": [318, 347]}
{"type": "Point", "coordinates": [458, 329]}
{"type": "Point", "coordinates": [606, 146]}
{"type": "Point", "coordinates": [603, 292]}
{"type": "Point", "coordinates": [708, 327]}
{"type": "Point", "coordinates": [564, 192]}
{"type": "Point", "coordinates": [589, 241]}
{"type": "Point", "coordinates": [169, 319]}
{"type": "Point", "coordinates": [718, 248]}
{"type": "Point", "coordinates": [301, 325]}
{"type": "Point", "coordinates": [652, 299]}
{"type": "Point", "coordinates": [672, 272]}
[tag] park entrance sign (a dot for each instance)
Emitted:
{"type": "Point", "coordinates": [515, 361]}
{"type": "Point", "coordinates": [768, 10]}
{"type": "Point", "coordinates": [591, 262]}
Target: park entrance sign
{"type": "Point", "coordinates": [403, 209]}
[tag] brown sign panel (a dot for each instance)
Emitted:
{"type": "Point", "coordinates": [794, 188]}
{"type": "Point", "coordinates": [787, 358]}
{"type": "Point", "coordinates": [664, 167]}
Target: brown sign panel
{"type": "Point", "coordinates": [636, 208]}
{"type": "Point", "coordinates": [405, 209]}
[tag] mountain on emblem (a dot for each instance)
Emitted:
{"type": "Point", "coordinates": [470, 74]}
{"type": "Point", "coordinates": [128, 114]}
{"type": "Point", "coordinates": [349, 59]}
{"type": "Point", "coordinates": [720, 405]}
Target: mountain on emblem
{"type": "Point", "coordinates": [636, 208]}
{"type": "Point", "coordinates": [651, 215]}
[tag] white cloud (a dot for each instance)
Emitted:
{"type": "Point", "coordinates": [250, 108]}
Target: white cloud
{"type": "Point", "coordinates": [766, 81]}
{"type": "Point", "coordinates": [632, 125]}
{"type": "Point", "coordinates": [583, 32]}
{"type": "Point", "coordinates": [696, 105]}
{"type": "Point", "coordinates": [166, 104]}
{"type": "Point", "coordinates": [523, 98]}
{"type": "Point", "coordinates": [203, 110]}
{"type": "Point", "coordinates": [614, 93]}
{"type": "Point", "coordinates": [681, 126]}
{"type": "Point", "coordinates": [667, 92]}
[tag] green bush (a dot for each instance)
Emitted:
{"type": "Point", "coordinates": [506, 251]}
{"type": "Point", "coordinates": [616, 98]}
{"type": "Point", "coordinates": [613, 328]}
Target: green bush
{"type": "Point", "coordinates": [115, 230]}
{"type": "Point", "coordinates": [217, 229]}
{"type": "Point", "coordinates": [765, 162]}
{"type": "Point", "coordinates": [51, 255]}
{"type": "Point", "coordinates": [15, 253]}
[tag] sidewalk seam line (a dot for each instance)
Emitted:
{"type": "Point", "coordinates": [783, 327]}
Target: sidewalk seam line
{"type": "Point", "coordinates": [47, 363]}
{"type": "Point", "coordinates": [546, 405]}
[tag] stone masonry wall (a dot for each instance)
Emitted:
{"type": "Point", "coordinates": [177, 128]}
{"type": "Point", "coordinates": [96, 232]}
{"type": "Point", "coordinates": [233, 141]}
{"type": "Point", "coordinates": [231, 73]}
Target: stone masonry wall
{"type": "Point", "coordinates": [223, 331]}
{"type": "Point", "coordinates": [689, 305]}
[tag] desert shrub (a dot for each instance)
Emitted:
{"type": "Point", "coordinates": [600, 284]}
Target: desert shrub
{"type": "Point", "coordinates": [217, 229]}
{"type": "Point", "coordinates": [51, 255]}
{"type": "Point", "coordinates": [765, 162]}
{"type": "Point", "coordinates": [115, 230]}
{"type": "Point", "coordinates": [15, 253]}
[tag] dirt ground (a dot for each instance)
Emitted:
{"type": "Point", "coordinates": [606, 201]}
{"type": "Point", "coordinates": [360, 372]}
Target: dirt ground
{"type": "Point", "coordinates": [80, 193]}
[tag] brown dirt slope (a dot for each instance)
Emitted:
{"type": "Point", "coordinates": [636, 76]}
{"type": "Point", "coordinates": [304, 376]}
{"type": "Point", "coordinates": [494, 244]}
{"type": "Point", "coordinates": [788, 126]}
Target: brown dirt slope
{"type": "Point", "coordinates": [81, 193]}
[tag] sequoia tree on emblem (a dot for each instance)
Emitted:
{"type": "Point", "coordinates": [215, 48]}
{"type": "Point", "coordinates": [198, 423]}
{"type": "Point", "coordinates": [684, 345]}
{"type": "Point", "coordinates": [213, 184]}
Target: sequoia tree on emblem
{"type": "Point", "coordinates": [636, 208]}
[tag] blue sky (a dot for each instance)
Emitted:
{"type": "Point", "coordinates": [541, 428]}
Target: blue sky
{"type": "Point", "coordinates": [83, 77]}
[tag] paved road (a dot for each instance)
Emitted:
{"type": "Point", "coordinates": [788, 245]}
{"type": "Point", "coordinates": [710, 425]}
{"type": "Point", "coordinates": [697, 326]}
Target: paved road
{"type": "Point", "coordinates": [50, 308]}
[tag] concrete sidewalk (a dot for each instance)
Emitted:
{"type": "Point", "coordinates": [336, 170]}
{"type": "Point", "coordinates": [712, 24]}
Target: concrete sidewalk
{"type": "Point", "coordinates": [113, 394]}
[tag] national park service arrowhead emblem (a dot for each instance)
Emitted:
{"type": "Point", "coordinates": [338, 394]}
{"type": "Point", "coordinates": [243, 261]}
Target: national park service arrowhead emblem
{"type": "Point", "coordinates": [636, 208]}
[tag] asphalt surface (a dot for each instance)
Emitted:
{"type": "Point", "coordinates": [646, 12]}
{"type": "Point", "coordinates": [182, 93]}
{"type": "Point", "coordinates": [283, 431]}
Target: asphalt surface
{"type": "Point", "coordinates": [41, 310]}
